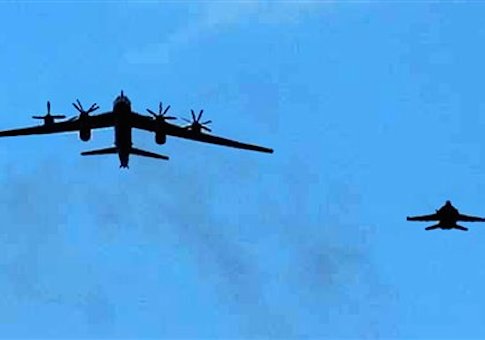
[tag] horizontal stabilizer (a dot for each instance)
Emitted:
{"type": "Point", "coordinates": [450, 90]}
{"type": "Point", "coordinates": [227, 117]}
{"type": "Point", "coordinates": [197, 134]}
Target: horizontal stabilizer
{"type": "Point", "coordinates": [436, 226]}
{"type": "Point", "coordinates": [459, 227]}
{"type": "Point", "coordinates": [135, 151]}
{"type": "Point", "coordinates": [105, 151]}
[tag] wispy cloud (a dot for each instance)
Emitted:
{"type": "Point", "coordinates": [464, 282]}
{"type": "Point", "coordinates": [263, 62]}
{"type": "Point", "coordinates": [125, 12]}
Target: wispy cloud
{"type": "Point", "coordinates": [214, 17]}
{"type": "Point", "coordinates": [284, 266]}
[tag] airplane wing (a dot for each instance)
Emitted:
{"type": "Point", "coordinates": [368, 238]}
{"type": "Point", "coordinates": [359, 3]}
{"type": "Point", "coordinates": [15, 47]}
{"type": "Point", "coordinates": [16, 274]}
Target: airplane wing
{"type": "Point", "coordinates": [102, 120]}
{"type": "Point", "coordinates": [432, 217]}
{"type": "Point", "coordinates": [466, 218]}
{"type": "Point", "coordinates": [149, 124]}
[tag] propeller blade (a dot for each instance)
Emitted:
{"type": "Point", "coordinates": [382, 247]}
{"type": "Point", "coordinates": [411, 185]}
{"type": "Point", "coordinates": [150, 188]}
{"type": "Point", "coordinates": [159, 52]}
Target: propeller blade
{"type": "Point", "coordinates": [165, 111]}
{"type": "Point", "coordinates": [200, 115]}
{"type": "Point", "coordinates": [193, 115]}
{"type": "Point", "coordinates": [160, 108]}
{"type": "Point", "coordinates": [79, 104]}
{"type": "Point", "coordinates": [152, 113]}
{"type": "Point", "coordinates": [58, 116]}
{"type": "Point", "coordinates": [206, 128]}
{"type": "Point", "coordinates": [48, 107]}
{"type": "Point", "coordinates": [207, 122]}
{"type": "Point", "coordinates": [186, 120]}
{"type": "Point", "coordinates": [93, 107]}
{"type": "Point", "coordinates": [38, 117]}
{"type": "Point", "coordinates": [169, 118]}
{"type": "Point", "coordinates": [77, 108]}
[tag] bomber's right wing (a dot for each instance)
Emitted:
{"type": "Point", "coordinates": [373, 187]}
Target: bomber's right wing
{"type": "Point", "coordinates": [212, 139]}
{"type": "Point", "coordinates": [94, 122]}
{"type": "Point", "coordinates": [424, 218]}
{"type": "Point", "coordinates": [146, 123]}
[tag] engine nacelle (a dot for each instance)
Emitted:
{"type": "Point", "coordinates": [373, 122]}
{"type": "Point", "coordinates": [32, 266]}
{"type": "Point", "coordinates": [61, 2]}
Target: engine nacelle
{"type": "Point", "coordinates": [160, 138]}
{"type": "Point", "coordinates": [85, 134]}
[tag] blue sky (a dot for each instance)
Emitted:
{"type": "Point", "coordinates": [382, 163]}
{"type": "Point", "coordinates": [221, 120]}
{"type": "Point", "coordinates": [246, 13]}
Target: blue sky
{"type": "Point", "coordinates": [374, 110]}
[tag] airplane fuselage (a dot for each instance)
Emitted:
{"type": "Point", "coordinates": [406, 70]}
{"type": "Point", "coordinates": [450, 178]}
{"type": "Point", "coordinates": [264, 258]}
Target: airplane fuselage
{"type": "Point", "coordinates": [447, 224]}
{"type": "Point", "coordinates": [122, 123]}
{"type": "Point", "coordinates": [122, 129]}
{"type": "Point", "coordinates": [448, 216]}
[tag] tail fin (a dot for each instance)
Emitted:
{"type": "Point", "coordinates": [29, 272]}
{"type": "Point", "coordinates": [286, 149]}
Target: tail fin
{"type": "Point", "coordinates": [139, 152]}
{"type": "Point", "coordinates": [105, 151]}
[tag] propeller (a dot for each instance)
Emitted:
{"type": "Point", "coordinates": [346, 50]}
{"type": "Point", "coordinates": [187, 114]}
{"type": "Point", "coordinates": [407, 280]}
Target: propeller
{"type": "Point", "coordinates": [161, 115]}
{"type": "Point", "coordinates": [48, 118]}
{"type": "Point", "coordinates": [77, 105]}
{"type": "Point", "coordinates": [195, 123]}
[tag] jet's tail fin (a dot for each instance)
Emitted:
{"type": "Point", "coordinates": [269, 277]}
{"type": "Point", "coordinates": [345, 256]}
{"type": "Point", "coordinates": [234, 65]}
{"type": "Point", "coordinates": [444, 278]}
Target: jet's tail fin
{"type": "Point", "coordinates": [139, 152]}
{"type": "Point", "coordinates": [105, 151]}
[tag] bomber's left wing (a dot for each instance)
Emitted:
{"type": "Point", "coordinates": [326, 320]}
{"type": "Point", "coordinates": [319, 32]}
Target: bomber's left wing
{"type": "Point", "coordinates": [466, 218]}
{"type": "Point", "coordinates": [149, 124]}
{"type": "Point", "coordinates": [206, 138]}
{"type": "Point", "coordinates": [102, 120]}
{"type": "Point", "coordinates": [432, 217]}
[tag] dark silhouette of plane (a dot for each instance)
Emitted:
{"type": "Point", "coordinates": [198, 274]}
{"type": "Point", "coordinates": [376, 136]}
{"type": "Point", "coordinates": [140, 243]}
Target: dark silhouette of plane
{"type": "Point", "coordinates": [124, 119]}
{"type": "Point", "coordinates": [447, 216]}
{"type": "Point", "coordinates": [48, 118]}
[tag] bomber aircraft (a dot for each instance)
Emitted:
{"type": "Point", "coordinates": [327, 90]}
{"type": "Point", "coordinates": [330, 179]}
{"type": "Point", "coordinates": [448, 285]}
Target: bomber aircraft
{"type": "Point", "coordinates": [447, 216]}
{"type": "Point", "coordinates": [123, 119]}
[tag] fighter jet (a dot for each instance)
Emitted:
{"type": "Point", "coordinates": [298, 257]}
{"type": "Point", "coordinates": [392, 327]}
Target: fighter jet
{"type": "Point", "coordinates": [447, 216]}
{"type": "Point", "coordinates": [123, 119]}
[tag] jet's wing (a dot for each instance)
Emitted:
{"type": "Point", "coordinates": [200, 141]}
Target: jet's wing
{"type": "Point", "coordinates": [466, 218]}
{"type": "Point", "coordinates": [149, 124]}
{"type": "Point", "coordinates": [102, 120]}
{"type": "Point", "coordinates": [432, 217]}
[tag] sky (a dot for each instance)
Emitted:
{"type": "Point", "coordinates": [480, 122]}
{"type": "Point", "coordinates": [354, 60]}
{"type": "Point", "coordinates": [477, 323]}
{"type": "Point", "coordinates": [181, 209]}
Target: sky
{"type": "Point", "coordinates": [374, 110]}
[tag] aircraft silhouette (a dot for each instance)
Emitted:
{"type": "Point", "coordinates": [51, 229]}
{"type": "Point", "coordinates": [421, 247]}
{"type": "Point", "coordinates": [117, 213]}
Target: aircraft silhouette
{"type": "Point", "coordinates": [48, 118]}
{"type": "Point", "coordinates": [123, 119]}
{"type": "Point", "coordinates": [447, 216]}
